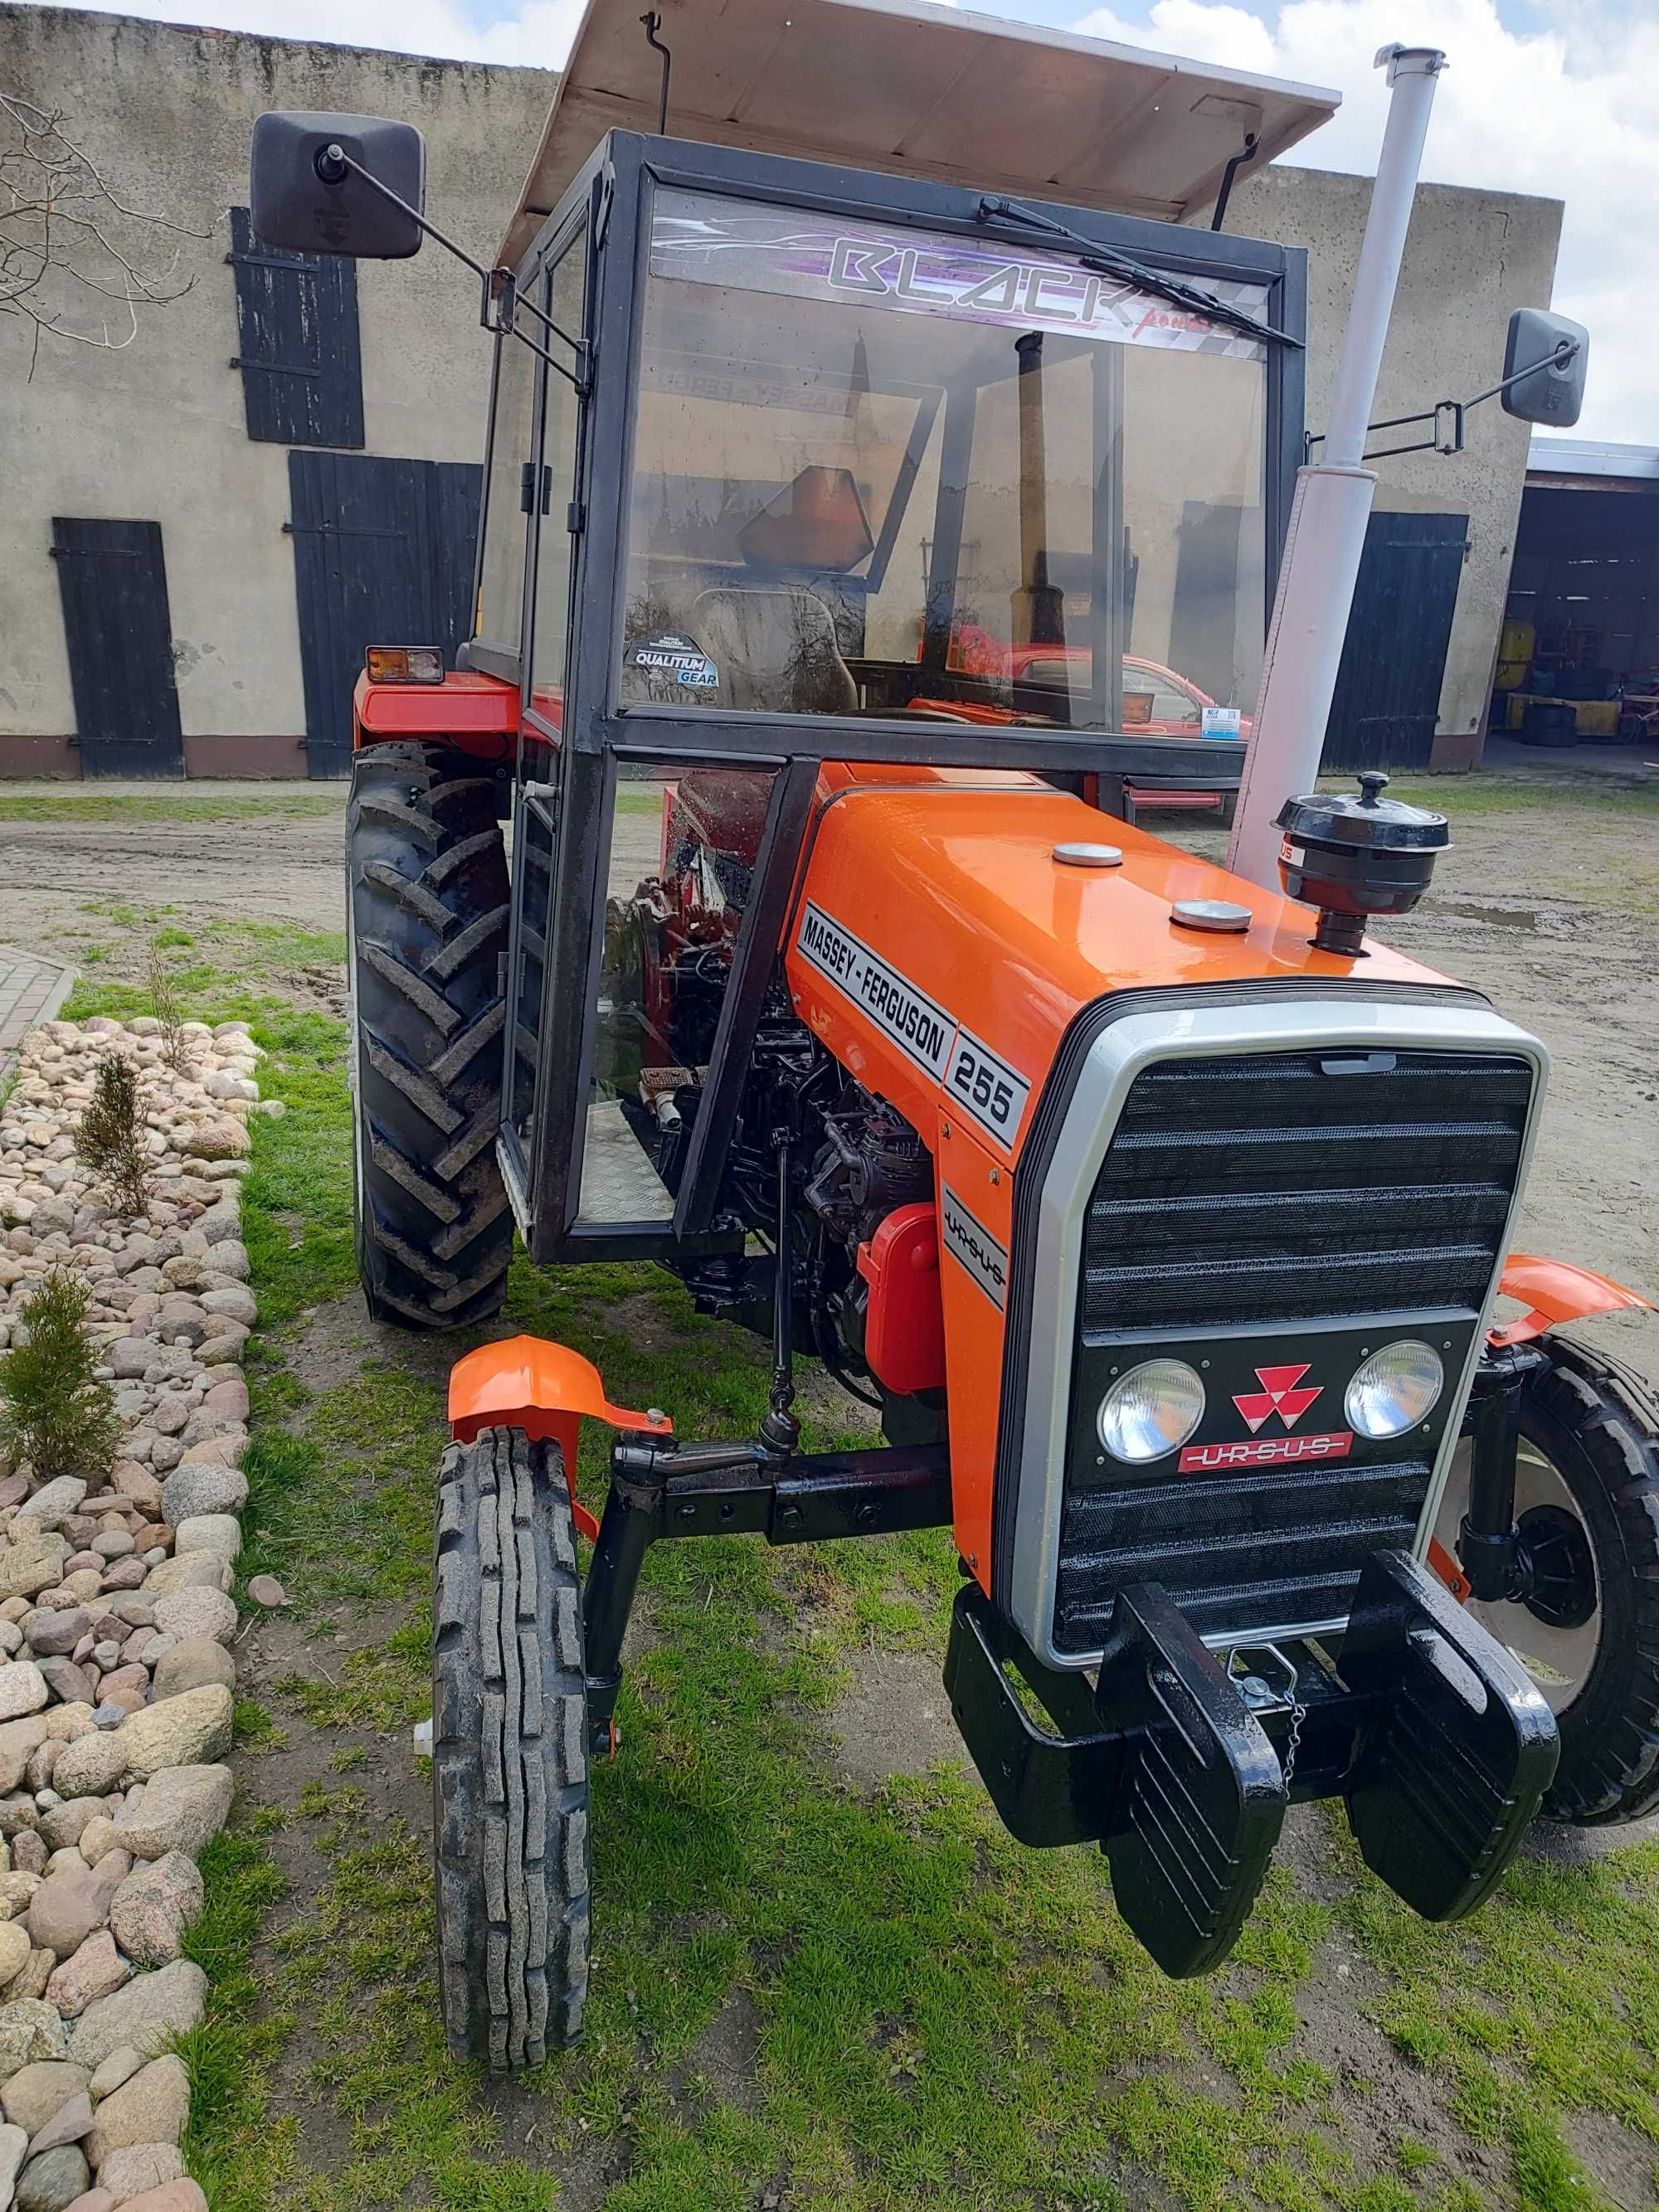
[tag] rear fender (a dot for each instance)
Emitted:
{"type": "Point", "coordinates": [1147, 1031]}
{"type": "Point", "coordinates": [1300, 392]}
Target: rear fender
{"type": "Point", "coordinates": [545, 1390]}
{"type": "Point", "coordinates": [476, 712]}
{"type": "Point", "coordinates": [1553, 1291]}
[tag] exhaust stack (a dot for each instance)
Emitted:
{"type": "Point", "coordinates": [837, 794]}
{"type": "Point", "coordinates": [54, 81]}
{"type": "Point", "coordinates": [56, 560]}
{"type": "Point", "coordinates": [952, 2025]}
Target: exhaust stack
{"type": "Point", "coordinates": [1332, 503]}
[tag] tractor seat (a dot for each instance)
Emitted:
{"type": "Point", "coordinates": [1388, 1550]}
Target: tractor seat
{"type": "Point", "coordinates": [775, 651]}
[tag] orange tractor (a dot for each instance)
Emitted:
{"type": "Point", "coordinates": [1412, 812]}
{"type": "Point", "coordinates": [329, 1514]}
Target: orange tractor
{"type": "Point", "coordinates": [1157, 1212]}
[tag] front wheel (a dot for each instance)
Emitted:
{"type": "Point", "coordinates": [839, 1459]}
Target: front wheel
{"type": "Point", "coordinates": [509, 1753]}
{"type": "Point", "coordinates": [1587, 1503]}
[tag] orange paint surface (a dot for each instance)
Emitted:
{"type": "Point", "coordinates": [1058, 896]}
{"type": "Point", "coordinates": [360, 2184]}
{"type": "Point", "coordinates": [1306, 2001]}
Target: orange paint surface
{"type": "Point", "coordinates": [543, 1389]}
{"type": "Point", "coordinates": [949, 876]}
{"type": "Point", "coordinates": [478, 714]}
{"type": "Point", "coordinates": [974, 1334]}
{"type": "Point", "coordinates": [1554, 1290]}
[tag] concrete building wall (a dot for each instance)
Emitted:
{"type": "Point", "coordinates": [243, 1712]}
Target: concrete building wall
{"type": "Point", "coordinates": [1471, 258]}
{"type": "Point", "coordinates": [157, 431]}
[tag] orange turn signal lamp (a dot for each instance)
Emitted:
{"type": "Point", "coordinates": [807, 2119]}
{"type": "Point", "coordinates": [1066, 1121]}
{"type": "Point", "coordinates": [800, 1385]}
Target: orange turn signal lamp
{"type": "Point", "coordinates": [404, 664]}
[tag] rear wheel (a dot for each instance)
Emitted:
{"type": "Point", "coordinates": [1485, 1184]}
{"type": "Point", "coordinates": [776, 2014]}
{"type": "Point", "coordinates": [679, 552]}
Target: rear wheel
{"type": "Point", "coordinates": [509, 1753]}
{"type": "Point", "coordinates": [1587, 1505]}
{"type": "Point", "coordinates": [428, 904]}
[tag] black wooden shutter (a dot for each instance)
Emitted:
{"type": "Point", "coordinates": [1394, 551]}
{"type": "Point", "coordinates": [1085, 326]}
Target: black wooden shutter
{"type": "Point", "coordinates": [382, 555]}
{"type": "Point", "coordinates": [1387, 701]}
{"type": "Point", "coordinates": [301, 364]}
{"type": "Point", "coordinates": [113, 583]}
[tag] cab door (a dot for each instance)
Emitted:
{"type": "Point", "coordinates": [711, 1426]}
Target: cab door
{"type": "Point", "coordinates": [536, 478]}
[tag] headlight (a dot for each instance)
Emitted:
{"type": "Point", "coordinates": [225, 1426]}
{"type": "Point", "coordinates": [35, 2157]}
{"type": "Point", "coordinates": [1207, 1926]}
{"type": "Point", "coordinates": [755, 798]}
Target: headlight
{"type": "Point", "coordinates": [1394, 1389]}
{"type": "Point", "coordinates": [1150, 1411]}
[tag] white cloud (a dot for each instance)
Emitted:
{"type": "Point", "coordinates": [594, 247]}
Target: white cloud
{"type": "Point", "coordinates": [1568, 114]}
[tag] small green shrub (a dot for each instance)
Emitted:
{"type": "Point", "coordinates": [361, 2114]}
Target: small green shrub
{"type": "Point", "coordinates": [164, 1001]}
{"type": "Point", "coordinates": [110, 1141]}
{"type": "Point", "coordinates": [54, 1412]}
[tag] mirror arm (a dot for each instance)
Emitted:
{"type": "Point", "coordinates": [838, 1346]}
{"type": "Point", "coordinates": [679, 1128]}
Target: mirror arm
{"type": "Point", "coordinates": [1567, 350]}
{"type": "Point", "coordinates": [576, 379]}
{"type": "Point", "coordinates": [338, 158]}
{"type": "Point", "coordinates": [1455, 409]}
{"type": "Point", "coordinates": [499, 288]}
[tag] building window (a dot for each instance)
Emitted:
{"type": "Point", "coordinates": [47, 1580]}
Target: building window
{"type": "Point", "coordinates": [301, 364]}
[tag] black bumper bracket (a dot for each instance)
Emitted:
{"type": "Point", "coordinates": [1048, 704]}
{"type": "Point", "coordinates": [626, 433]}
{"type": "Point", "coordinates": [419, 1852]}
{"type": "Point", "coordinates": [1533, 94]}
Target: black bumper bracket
{"type": "Point", "coordinates": [1441, 1745]}
{"type": "Point", "coordinates": [1454, 1767]}
{"type": "Point", "coordinates": [1202, 1797]}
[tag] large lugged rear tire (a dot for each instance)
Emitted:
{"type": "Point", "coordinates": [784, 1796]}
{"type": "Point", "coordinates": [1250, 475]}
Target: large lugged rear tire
{"type": "Point", "coordinates": [509, 1753]}
{"type": "Point", "coordinates": [429, 900]}
{"type": "Point", "coordinates": [1587, 1479]}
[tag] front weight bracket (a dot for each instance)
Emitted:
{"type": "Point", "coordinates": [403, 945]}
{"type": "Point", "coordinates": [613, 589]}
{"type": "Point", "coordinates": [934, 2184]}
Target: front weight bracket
{"type": "Point", "coordinates": [1454, 1766]}
{"type": "Point", "coordinates": [1202, 1796]}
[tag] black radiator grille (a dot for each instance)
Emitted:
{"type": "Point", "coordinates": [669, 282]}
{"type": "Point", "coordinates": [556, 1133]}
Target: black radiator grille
{"type": "Point", "coordinates": [1248, 1553]}
{"type": "Point", "coordinates": [1238, 1194]}
{"type": "Point", "coordinates": [1286, 1186]}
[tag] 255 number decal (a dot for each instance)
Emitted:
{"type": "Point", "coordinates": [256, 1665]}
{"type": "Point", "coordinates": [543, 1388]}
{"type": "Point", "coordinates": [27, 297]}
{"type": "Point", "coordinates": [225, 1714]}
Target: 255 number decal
{"type": "Point", "coordinates": [990, 1089]}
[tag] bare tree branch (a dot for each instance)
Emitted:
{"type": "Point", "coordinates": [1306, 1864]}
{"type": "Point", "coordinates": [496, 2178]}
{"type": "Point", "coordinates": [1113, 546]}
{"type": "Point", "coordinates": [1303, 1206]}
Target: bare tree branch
{"type": "Point", "coordinates": [69, 239]}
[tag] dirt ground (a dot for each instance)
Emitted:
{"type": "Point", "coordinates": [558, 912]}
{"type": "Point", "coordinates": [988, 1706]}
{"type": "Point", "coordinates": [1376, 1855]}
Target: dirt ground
{"type": "Point", "coordinates": [1554, 913]}
{"type": "Point", "coordinates": [271, 866]}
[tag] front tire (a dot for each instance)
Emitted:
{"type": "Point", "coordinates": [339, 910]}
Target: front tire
{"type": "Point", "coordinates": [428, 904]}
{"type": "Point", "coordinates": [1587, 1490]}
{"type": "Point", "coordinates": [509, 1753]}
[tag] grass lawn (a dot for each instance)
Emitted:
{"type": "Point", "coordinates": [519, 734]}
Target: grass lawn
{"type": "Point", "coordinates": [1514, 792]}
{"type": "Point", "coordinates": [260, 800]}
{"type": "Point", "coordinates": [806, 1994]}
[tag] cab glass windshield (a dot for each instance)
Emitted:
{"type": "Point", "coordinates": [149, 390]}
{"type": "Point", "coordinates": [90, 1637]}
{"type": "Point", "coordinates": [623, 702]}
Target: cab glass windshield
{"type": "Point", "coordinates": [877, 472]}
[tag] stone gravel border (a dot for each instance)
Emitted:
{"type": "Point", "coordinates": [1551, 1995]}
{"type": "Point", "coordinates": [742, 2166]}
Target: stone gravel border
{"type": "Point", "coordinates": [116, 1677]}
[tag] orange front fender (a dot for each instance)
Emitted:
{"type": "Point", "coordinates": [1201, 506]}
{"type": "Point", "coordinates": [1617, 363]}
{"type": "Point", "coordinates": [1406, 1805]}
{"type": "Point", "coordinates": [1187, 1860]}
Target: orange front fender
{"type": "Point", "coordinates": [545, 1390]}
{"type": "Point", "coordinates": [1553, 1291]}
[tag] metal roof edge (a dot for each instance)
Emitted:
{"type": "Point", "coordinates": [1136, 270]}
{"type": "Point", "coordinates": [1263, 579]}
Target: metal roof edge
{"type": "Point", "coordinates": [1590, 457]}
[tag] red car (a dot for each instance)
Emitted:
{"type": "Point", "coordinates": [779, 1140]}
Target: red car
{"type": "Point", "coordinates": [1156, 701]}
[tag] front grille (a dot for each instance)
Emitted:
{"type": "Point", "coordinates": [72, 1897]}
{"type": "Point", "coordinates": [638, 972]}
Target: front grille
{"type": "Point", "coordinates": [1255, 1193]}
{"type": "Point", "coordinates": [1234, 1552]}
{"type": "Point", "coordinates": [1286, 1186]}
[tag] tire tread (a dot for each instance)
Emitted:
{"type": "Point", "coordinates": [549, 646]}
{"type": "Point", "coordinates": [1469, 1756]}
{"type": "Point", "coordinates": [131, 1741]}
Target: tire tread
{"type": "Point", "coordinates": [509, 1754]}
{"type": "Point", "coordinates": [430, 907]}
{"type": "Point", "coordinates": [1590, 1400]}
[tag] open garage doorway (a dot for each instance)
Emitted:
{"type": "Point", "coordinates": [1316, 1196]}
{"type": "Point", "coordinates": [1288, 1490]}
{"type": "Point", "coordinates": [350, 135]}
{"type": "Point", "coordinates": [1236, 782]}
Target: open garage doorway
{"type": "Point", "coordinates": [1577, 671]}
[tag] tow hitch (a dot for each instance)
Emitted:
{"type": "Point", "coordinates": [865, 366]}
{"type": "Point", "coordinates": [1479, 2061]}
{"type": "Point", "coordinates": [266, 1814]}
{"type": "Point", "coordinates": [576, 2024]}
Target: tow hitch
{"type": "Point", "coordinates": [1181, 1769]}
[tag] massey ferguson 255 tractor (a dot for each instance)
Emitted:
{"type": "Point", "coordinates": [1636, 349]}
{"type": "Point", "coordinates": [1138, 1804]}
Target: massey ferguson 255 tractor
{"type": "Point", "coordinates": [854, 528]}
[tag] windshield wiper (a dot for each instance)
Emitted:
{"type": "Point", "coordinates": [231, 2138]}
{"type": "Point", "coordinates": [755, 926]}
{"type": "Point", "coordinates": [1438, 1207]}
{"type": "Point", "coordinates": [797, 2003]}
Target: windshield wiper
{"type": "Point", "coordinates": [1106, 261]}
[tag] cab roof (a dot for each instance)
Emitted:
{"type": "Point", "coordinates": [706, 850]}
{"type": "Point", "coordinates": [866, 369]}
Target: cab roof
{"type": "Point", "coordinates": [924, 90]}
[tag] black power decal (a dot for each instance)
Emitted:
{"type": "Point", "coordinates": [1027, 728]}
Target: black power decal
{"type": "Point", "coordinates": [973, 1246]}
{"type": "Point", "coordinates": [922, 1029]}
{"type": "Point", "coordinates": [986, 1088]}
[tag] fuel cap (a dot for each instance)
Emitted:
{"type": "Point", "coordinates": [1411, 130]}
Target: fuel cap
{"type": "Point", "coordinates": [1217, 915]}
{"type": "Point", "coordinates": [1089, 856]}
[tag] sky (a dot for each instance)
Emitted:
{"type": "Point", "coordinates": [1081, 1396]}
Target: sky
{"type": "Point", "coordinates": [1554, 97]}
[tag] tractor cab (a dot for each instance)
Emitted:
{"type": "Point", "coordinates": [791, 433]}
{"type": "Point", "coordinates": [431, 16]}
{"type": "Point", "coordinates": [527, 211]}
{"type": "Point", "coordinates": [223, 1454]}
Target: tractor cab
{"type": "Point", "coordinates": [892, 465]}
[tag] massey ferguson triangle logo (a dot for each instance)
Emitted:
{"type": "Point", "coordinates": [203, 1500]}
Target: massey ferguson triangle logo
{"type": "Point", "coordinates": [1278, 1394]}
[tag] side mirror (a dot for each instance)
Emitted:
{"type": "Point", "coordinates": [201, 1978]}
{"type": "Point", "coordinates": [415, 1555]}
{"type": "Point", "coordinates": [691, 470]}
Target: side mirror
{"type": "Point", "coordinates": [298, 198]}
{"type": "Point", "coordinates": [1554, 392]}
